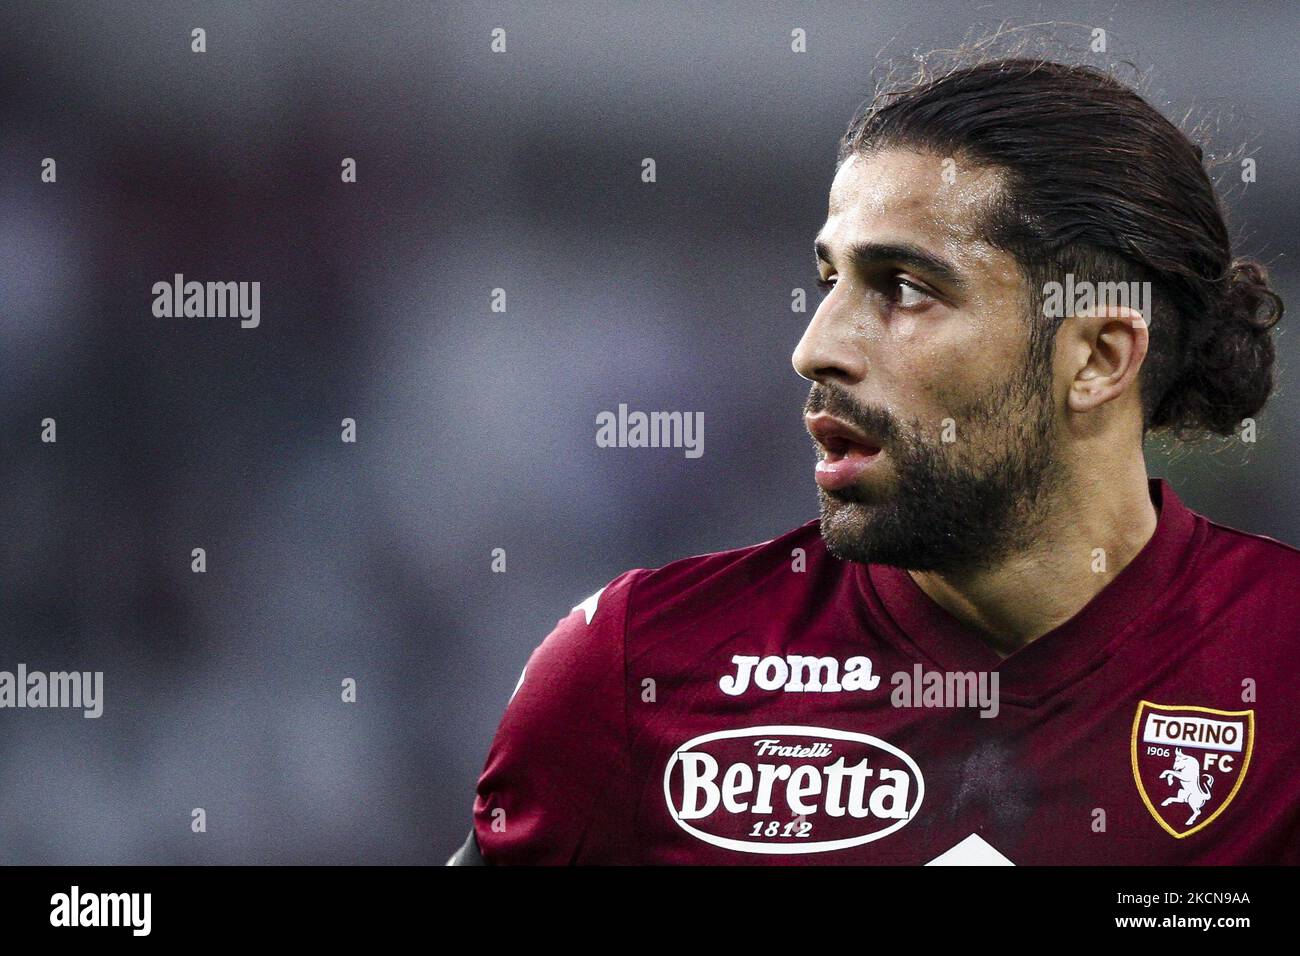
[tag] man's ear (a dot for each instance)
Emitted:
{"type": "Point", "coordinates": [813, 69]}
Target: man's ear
{"type": "Point", "coordinates": [1103, 350]}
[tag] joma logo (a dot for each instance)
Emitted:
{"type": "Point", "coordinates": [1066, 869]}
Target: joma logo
{"type": "Point", "coordinates": [797, 674]}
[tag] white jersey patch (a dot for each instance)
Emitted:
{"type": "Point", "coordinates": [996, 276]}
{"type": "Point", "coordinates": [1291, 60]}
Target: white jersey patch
{"type": "Point", "coordinates": [972, 851]}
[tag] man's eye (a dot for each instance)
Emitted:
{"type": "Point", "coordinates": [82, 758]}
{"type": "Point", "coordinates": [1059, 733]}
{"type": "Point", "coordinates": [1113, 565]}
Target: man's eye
{"type": "Point", "coordinates": [909, 296]}
{"type": "Point", "coordinates": [901, 293]}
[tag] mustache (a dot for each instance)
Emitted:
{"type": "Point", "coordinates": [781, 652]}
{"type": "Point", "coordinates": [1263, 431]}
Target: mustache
{"type": "Point", "coordinates": [835, 401]}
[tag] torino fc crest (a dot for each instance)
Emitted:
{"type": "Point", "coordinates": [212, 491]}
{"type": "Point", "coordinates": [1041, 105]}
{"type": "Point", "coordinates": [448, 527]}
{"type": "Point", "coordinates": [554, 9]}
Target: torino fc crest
{"type": "Point", "coordinates": [1189, 762]}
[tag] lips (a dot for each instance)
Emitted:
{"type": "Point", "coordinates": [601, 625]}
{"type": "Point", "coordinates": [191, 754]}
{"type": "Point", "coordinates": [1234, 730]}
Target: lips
{"type": "Point", "coordinates": [848, 453]}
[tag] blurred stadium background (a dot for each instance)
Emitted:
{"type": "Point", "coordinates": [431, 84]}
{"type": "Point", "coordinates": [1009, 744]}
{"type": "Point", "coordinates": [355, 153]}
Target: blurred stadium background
{"type": "Point", "coordinates": [476, 430]}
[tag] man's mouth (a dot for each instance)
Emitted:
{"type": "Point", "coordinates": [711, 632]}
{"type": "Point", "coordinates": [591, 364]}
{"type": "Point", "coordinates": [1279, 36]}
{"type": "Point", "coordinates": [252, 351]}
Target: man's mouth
{"type": "Point", "coordinates": [847, 452]}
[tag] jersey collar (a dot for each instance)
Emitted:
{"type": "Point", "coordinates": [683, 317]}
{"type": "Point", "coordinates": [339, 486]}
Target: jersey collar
{"type": "Point", "coordinates": [1064, 654]}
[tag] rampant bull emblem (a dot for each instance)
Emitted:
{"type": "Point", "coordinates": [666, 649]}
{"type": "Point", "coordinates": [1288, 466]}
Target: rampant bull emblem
{"type": "Point", "coordinates": [1189, 757]}
{"type": "Point", "coordinates": [1193, 786]}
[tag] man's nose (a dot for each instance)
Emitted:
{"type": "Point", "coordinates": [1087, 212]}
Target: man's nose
{"type": "Point", "coordinates": [827, 352]}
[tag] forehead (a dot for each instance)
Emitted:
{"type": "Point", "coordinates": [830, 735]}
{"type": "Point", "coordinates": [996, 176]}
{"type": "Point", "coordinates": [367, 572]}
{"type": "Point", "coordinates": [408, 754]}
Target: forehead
{"type": "Point", "coordinates": [919, 198]}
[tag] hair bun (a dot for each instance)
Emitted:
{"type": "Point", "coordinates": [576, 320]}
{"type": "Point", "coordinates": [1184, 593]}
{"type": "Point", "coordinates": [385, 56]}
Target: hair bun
{"type": "Point", "coordinates": [1249, 299]}
{"type": "Point", "coordinates": [1228, 372]}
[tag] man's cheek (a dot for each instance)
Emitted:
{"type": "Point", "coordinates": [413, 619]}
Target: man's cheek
{"type": "Point", "coordinates": [967, 389]}
{"type": "Point", "coordinates": [936, 380]}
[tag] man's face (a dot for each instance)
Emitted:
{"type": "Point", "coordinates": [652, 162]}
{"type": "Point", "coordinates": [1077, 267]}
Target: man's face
{"type": "Point", "coordinates": [934, 430]}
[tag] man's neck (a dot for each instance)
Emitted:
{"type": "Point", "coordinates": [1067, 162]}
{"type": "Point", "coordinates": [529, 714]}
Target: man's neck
{"type": "Point", "coordinates": [1083, 542]}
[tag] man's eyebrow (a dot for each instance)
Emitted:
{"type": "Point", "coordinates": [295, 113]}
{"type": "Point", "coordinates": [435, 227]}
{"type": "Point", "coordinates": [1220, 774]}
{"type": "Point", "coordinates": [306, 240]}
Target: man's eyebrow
{"type": "Point", "coordinates": [867, 254]}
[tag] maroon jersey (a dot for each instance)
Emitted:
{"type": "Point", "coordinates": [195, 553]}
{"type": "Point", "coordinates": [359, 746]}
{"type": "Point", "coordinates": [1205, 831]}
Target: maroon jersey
{"type": "Point", "coordinates": [774, 704]}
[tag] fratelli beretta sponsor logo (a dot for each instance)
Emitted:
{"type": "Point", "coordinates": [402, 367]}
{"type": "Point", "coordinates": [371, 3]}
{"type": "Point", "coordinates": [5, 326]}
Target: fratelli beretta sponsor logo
{"type": "Point", "coordinates": [790, 789]}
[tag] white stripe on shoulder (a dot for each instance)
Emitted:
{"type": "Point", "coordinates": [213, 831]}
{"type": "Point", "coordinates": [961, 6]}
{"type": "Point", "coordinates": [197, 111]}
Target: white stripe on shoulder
{"type": "Point", "coordinates": [588, 607]}
{"type": "Point", "coordinates": [519, 683]}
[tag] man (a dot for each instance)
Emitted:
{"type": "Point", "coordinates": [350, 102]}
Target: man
{"type": "Point", "coordinates": [1001, 642]}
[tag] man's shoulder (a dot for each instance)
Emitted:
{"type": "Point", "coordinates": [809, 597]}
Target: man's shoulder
{"type": "Point", "coordinates": [1243, 590]}
{"type": "Point", "coordinates": [561, 748]}
{"type": "Point", "coordinates": [1252, 542]}
{"type": "Point", "coordinates": [731, 583]}
{"type": "Point", "coordinates": [1255, 559]}
{"type": "Point", "coordinates": [698, 567]}
{"type": "Point", "coordinates": [693, 588]}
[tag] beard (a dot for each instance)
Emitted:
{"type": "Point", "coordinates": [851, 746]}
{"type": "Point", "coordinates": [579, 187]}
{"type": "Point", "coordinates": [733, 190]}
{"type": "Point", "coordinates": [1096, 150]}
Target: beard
{"type": "Point", "coordinates": [952, 506]}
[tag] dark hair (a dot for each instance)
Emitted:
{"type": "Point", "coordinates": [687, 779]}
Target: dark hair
{"type": "Point", "coordinates": [1100, 184]}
